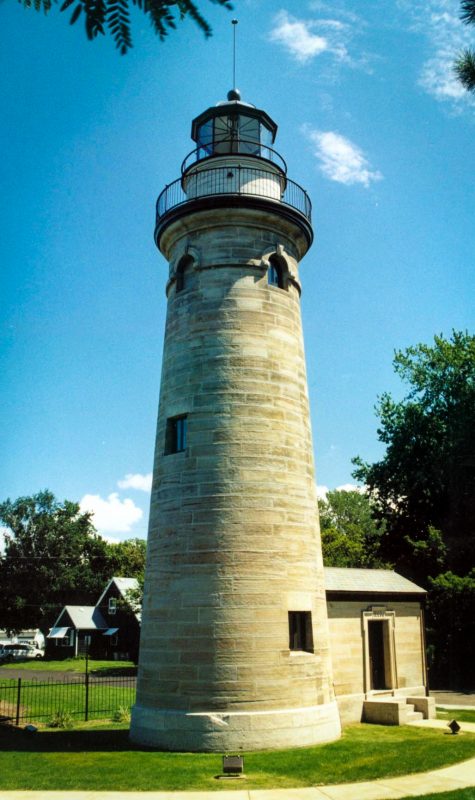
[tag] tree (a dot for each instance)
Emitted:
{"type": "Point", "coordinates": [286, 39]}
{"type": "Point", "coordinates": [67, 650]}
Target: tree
{"type": "Point", "coordinates": [52, 556]}
{"type": "Point", "coordinates": [350, 534]}
{"type": "Point", "coordinates": [424, 490]}
{"type": "Point", "coordinates": [113, 16]}
{"type": "Point", "coordinates": [465, 64]}
{"type": "Point", "coordinates": [424, 487]}
{"type": "Point", "coordinates": [127, 558]}
{"type": "Point", "coordinates": [451, 630]}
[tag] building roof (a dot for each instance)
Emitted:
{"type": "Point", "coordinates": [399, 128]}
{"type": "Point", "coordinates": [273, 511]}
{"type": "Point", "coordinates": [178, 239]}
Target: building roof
{"type": "Point", "coordinates": [383, 581]}
{"type": "Point", "coordinates": [123, 585]}
{"type": "Point", "coordinates": [84, 617]}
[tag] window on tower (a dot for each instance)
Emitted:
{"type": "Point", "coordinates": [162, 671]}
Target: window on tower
{"type": "Point", "coordinates": [176, 435]}
{"type": "Point", "coordinates": [183, 267]}
{"type": "Point", "coordinates": [275, 273]}
{"type": "Point", "coordinates": [300, 631]}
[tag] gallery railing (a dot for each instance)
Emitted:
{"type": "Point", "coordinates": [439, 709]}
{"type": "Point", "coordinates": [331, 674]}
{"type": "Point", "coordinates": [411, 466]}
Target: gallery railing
{"type": "Point", "coordinates": [233, 180]}
{"type": "Point", "coordinates": [234, 146]}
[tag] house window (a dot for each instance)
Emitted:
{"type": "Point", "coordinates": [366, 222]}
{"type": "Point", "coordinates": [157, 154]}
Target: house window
{"type": "Point", "coordinates": [300, 631]}
{"type": "Point", "coordinates": [67, 640]}
{"type": "Point", "coordinates": [176, 435]}
{"type": "Point", "coordinates": [275, 273]}
{"type": "Point", "coordinates": [112, 608]}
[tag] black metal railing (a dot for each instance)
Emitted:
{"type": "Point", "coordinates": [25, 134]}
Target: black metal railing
{"type": "Point", "coordinates": [233, 180]}
{"type": "Point", "coordinates": [234, 146]}
{"type": "Point", "coordinates": [83, 697]}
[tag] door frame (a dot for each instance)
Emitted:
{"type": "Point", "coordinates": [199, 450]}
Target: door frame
{"type": "Point", "coordinates": [380, 614]}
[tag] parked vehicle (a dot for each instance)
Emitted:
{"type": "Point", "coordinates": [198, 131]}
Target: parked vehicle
{"type": "Point", "coordinates": [28, 636]}
{"type": "Point", "coordinates": [19, 652]}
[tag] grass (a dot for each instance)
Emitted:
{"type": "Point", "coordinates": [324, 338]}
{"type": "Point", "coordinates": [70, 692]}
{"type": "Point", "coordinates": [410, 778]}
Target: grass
{"type": "Point", "coordinates": [457, 794]}
{"type": "Point", "coordinates": [99, 758]}
{"type": "Point", "coordinates": [75, 665]}
{"type": "Point", "coordinates": [40, 700]}
{"type": "Point", "coordinates": [460, 714]}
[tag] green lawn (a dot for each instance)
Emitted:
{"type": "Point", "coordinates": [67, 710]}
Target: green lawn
{"type": "Point", "coordinates": [75, 665]}
{"type": "Point", "coordinates": [458, 794]}
{"type": "Point", "coordinates": [39, 700]}
{"type": "Point", "coordinates": [103, 759]}
{"type": "Point", "coordinates": [460, 714]}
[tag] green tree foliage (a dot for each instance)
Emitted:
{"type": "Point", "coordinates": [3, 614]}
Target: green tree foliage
{"type": "Point", "coordinates": [134, 597]}
{"type": "Point", "coordinates": [52, 556]}
{"type": "Point", "coordinates": [451, 630]}
{"type": "Point", "coordinates": [465, 63]}
{"type": "Point", "coordinates": [424, 486]}
{"type": "Point", "coordinates": [113, 16]}
{"type": "Point", "coordinates": [127, 559]}
{"type": "Point", "coordinates": [424, 490]}
{"type": "Point", "coordinates": [350, 534]}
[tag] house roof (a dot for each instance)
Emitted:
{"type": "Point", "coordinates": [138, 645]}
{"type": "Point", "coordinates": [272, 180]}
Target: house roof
{"type": "Point", "coordinates": [382, 581]}
{"type": "Point", "coordinates": [84, 618]}
{"type": "Point", "coordinates": [123, 585]}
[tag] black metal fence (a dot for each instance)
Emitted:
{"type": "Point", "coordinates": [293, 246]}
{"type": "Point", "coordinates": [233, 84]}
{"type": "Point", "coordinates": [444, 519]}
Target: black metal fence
{"type": "Point", "coordinates": [82, 697]}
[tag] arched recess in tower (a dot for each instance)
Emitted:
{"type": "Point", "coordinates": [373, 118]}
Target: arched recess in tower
{"type": "Point", "coordinates": [234, 650]}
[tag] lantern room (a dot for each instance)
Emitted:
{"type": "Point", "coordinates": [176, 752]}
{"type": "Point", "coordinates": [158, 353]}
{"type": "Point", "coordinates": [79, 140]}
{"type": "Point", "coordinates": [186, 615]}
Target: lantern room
{"type": "Point", "coordinates": [234, 127]}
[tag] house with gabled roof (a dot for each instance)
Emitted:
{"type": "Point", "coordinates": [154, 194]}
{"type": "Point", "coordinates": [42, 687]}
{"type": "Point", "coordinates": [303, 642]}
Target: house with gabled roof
{"type": "Point", "coordinates": [109, 630]}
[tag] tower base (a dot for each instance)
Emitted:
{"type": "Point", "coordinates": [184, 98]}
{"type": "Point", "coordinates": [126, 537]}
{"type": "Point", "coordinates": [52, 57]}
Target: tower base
{"type": "Point", "coordinates": [220, 731]}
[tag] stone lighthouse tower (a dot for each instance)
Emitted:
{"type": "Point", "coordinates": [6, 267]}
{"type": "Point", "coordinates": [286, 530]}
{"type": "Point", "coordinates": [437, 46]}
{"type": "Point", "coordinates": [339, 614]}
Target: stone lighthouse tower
{"type": "Point", "coordinates": [234, 648]}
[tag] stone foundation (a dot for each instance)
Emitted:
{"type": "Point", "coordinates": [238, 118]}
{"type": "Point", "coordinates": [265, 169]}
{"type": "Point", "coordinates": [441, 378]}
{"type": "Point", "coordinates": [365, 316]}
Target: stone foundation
{"type": "Point", "coordinates": [221, 732]}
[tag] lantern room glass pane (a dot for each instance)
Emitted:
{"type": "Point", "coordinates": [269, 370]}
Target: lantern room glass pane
{"type": "Point", "coordinates": [222, 134]}
{"type": "Point", "coordinates": [233, 133]}
{"type": "Point", "coordinates": [205, 136]}
{"type": "Point", "coordinates": [249, 135]}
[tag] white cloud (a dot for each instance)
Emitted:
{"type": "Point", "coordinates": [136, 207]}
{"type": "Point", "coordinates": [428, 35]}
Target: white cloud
{"type": "Point", "coordinates": [340, 159]}
{"type": "Point", "coordinates": [351, 487]}
{"type": "Point", "coordinates": [322, 492]}
{"type": "Point", "coordinates": [446, 36]}
{"type": "Point", "coordinates": [112, 515]}
{"type": "Point", "coordinates": [142, 483]}
{"type": "Point", "coordinates": [302, 42]}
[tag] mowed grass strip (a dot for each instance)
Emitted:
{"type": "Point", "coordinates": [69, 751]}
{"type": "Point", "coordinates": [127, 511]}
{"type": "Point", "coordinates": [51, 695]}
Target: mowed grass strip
{"type": "Point", "coordinates": [457, 794]}
{"type": "Point", "coordinates": [105, 760]}
{"type": "Point", "coordinates": [40, 700]}
{"type": "Point", "coordinates": [460, 714]}
{"type": "Point", "coordinates": [73, 665]}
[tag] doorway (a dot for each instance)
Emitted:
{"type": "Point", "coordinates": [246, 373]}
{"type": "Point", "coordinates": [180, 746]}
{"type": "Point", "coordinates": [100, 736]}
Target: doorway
{"type": "Point", "coordinates": [378, 650]}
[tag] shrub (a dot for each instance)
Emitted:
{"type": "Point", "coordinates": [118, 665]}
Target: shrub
{"type": "Point", "coordinates": [121, 715]}
{"type": "Point", "coordinates": [61, 719]}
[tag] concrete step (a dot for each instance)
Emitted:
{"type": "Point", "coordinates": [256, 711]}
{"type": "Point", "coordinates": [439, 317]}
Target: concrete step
{"type": "Point", "coordinates": [414, 716]}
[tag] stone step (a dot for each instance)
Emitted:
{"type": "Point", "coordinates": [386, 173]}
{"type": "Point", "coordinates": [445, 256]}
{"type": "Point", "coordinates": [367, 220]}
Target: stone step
{"type": "Point", "coordinates": [414, 716]}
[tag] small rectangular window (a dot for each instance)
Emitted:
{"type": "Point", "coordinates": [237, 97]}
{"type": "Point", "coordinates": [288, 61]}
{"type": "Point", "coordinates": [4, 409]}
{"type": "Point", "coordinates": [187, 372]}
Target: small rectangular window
{"type": "Point", "coordinates": [67, 640]}
{"type": "Point", "coordinates": [176, 435]}
{"type": "Point", "coordinates": [300, 631]}
{"type": "Point", "coordinates": [112, 608]}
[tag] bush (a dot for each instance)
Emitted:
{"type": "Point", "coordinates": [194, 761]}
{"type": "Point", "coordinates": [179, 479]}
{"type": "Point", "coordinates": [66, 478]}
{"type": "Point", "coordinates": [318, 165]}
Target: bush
{"type": "Point", "coordinates": [61, 719]}
{"type": "Point", "coordinates": [121, 715]}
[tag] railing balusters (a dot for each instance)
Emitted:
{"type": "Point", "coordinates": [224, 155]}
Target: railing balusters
{"type": "Point", "coordinates": [33, 700]}
{"type": "Point", "coordinates": [247, 181]}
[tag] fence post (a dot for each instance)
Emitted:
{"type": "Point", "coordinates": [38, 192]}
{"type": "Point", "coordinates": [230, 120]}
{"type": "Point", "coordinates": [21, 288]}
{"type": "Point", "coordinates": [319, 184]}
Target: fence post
{"type": "Point", "coordinates": [18, 698]}
{"type": "Point", "coordinates": [86, 710]}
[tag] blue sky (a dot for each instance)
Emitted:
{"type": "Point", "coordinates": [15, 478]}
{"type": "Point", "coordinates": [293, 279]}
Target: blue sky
{"type": "Point", "coordinates": [371, 123]}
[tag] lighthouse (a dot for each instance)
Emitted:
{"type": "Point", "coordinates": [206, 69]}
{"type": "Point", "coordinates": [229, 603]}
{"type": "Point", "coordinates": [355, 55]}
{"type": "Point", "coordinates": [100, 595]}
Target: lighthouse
{"type": "Point", "coordinates": [234, 651]}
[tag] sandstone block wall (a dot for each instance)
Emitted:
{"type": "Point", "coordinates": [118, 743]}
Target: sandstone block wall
{"type": "Point", "coordinates": [349, 652]}
{"type": "Point", "coordinates": [234, 540]}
